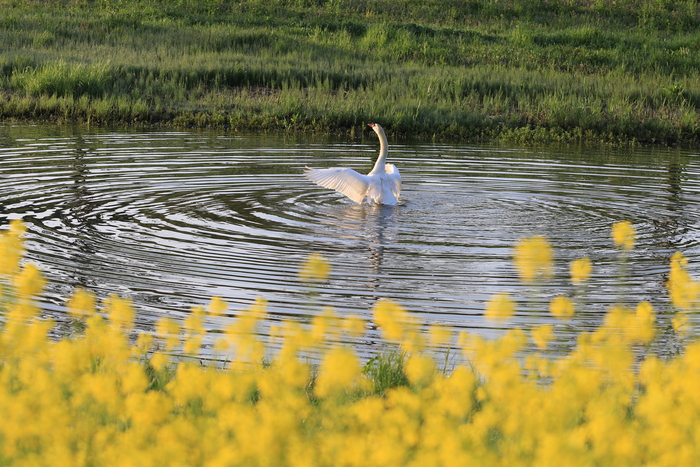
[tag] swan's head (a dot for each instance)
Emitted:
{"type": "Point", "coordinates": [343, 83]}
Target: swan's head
{"type": "Point", "coordinates": [375, 126]}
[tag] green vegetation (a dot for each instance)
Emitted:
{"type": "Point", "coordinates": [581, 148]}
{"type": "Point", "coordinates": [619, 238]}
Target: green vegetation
{"type": "Point", "coordinates": [514, 70]}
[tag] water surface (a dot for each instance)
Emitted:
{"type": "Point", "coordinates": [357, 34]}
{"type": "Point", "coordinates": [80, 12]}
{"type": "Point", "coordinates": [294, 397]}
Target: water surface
{"type": "Point", "coordinates": [170, 219]}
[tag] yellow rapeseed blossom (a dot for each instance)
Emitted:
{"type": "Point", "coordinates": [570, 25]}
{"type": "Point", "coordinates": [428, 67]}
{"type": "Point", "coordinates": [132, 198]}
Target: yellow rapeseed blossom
{"type": "Point", "coordinates": [107, 397]}
{"type": "Point", "coordinates": [217, 306]}
{"type": "Point", "coordinates": [643, 326]}
{"type": "Point", "coordinates": [580, 270]}
{"type": "Point", "coordinates": [500, 307]}
{"type": "Point", "coordinates": [241, 335]}
{"type": "Point", "coordinates": [339, 372]}
{"type": "Point", "coordinates": [533, 258]}
{"type": "Point", "coordinates": [637, 326]}
{"type": "Point", "coordinates": [194, 330]}
{"type": "Point", "coordinates": [315, 269]}
{"type": "Point", "coordinates": [17, 228]}
{"type": "Point", "coordinates": [391, 318]}
{"type": "Point", "coordinates": [440, 335]}
{"type": "Point", "coordinates": [325, 325]}
{"type": "Point", "coordinates": [623, 234]}
{"type": "Point", "coordinates": [354, 325]}
{"type": "Point", "coordinates": [420, 369]}
{"type": "Point", "coordinates": [159, 360]}
{"type": "Point", "coordinates": [683, 289]}
{"type": "Point", "coordinates": [120, 312]}
{"type": "Point", "coordinates": [542, 335]}
{"type": "Point", "coordinates": [81, 304]}
{"type": "Point", "coordinates": [144, 344]}
{"type": "Point", "coordinates": [11, 248]}
{"type": "Point", "coordinates": [562, 307]}
{"type": "Point", "coordinates": [168, 330]}
{"type": "Point", "coordinates": [681, 324]}
{"type": "Point", "coordinates": [194, 322]}
{"type": "Point", "coordinates": [29, 281]}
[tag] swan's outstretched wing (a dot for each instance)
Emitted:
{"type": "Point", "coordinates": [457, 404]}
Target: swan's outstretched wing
{"type": "Point", "coordinates": [394, 179]}
{"type": "Point", "coordinates": [343, 180]}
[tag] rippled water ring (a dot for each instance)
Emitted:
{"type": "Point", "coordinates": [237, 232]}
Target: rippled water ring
{"type": "Point", "coordinates": [171, 219]}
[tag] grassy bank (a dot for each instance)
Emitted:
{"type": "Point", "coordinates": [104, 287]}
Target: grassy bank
{"type": "Point", "coordinates": [519, 71]}
{"type": "Point", "coordinates": [112, 394]}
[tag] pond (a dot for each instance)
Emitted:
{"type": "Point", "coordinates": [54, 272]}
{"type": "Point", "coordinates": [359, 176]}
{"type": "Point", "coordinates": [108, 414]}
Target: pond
{"type": "Point", "coordinates": [170, 219]}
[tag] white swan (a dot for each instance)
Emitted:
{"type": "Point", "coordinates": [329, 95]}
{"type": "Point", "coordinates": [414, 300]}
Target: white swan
{"type": "Point", "coordinates": [382, 185]}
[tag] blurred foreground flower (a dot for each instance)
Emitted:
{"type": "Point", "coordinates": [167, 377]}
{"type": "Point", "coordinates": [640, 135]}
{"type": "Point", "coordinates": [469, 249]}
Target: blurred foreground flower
{"type": "Point", "coordinates": [315, 269]}
{"type": "Point", "coordinates": [11, 248]}
{"type": "Point", "coordinates": [500, 307]}
{"type": "Point", "coordinates": [533, 258]}
{"type": "Point", "coordinates": [118, 394]}
{"type": "Point", "coordinates": [562, 307]}
{"type": "Point", "coordinates": [29, 281]}
{"type": "Point", "coordinates": [217, 306]}
{"type": "Point", "coordinates": [682, 288]}
{"type": "Point", "coordinates": [542, 335]}
{"type": "Point", "coordinates": [580, 270]}
{"type": "Point", "coordinates": [623, 235]}
{"type": "Point", "coordinates": [81, 304]}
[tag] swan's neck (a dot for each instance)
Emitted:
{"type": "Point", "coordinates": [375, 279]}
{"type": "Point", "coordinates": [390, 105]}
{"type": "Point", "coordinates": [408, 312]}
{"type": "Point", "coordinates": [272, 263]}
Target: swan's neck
{"type": "Point", "coordinates": [383, 151]}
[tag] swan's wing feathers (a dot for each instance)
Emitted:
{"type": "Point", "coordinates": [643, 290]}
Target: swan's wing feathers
{"type": "Point", "coordinates": [394, 179]}
{"type": "Point", "coordinates": [343, 180]}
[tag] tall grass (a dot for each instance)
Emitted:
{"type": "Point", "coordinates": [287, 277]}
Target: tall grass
{"type": "Point", "coordinates": [553, 70]}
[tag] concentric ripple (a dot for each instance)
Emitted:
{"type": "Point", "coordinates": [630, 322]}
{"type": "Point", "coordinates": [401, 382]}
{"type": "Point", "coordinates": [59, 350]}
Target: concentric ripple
{"type": "Point", "coordinates": [171, 219]}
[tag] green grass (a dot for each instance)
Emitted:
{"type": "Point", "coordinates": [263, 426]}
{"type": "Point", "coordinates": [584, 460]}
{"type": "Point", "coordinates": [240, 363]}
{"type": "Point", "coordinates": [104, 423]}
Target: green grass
{"type": "Point", "coordinates": [516, 71]}
{"type": "Point", "coordinates": [386, 371]}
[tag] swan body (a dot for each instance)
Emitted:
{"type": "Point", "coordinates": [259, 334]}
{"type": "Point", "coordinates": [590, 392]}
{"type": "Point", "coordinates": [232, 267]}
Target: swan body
{"type": "Point", "coordinates": [382, 185]}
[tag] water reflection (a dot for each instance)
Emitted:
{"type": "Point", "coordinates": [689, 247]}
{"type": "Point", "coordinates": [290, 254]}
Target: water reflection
{"type": "Point", "coordinates": [80, 217]}
{"type": "Point", "coordinates": [672, 228]}
{"type": "Point", "coordinates": [370, 228]}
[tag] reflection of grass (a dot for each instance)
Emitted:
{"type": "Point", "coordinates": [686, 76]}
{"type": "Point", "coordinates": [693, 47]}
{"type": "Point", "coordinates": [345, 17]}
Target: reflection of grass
{"type": "Point", "coordinates": [113, 395]}
{"type": "Point", "coordinates": [510, 70]}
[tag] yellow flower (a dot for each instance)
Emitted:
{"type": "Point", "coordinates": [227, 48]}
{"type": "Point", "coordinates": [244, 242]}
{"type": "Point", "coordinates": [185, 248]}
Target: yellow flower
{"type": "Point", "coordinates": [29, 281]}
{"type": "Point", "coordinates": [623, 234]}
{"type": "Point", "coordinates": [194, 323]}
{"type": "Point", "coordinates": [500, 307]}
{"type": "Point", "coordinates": [159, 360]}
{"type": "Point", "coordinates": [562, 307]}
{"type": "Point", "coordinates": [542, 335]}
{"type": "Point", "coordinates": [420, 369]}
{"type": "Point", "coordinates": [194, 329]}
{"type": "Point", "coordinates": [354, 325]}
{"type": "Point", "coordinates": [144, 343]}
{"type": "Point", "coordinates": [81, 304]}
{"type": "Point", "coordinates": [169, 330]}
{"type": "Point", "coordinates": [681, 324]}
{"type": "Point", "coordinates": [440, 335]}
{"type": "Point", "coordinates": [580, 270]}
{"type": "Point", "coordinates": [120, 312]}
{"type": "Point", "coordinates": [325, 326]}
{"type": "Point", "coordinates": [11, 248]}
{"type": "Point", "coordinates": [315, 269]}
{"type": "Point", "coordinates": [17, 227]}
{"type": "Point", "coordinates": [217, 306]}
{"type": "Point", "coordinates": [339, 370]}
{"type": "Point", "coordinates": [533, 258]}
{"type": "Point", "coordinates": [644, 326]}
{"type": "Point", "coordinates": [684, 291]}
{"type": "Point", "coordinates": [392, 318]}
